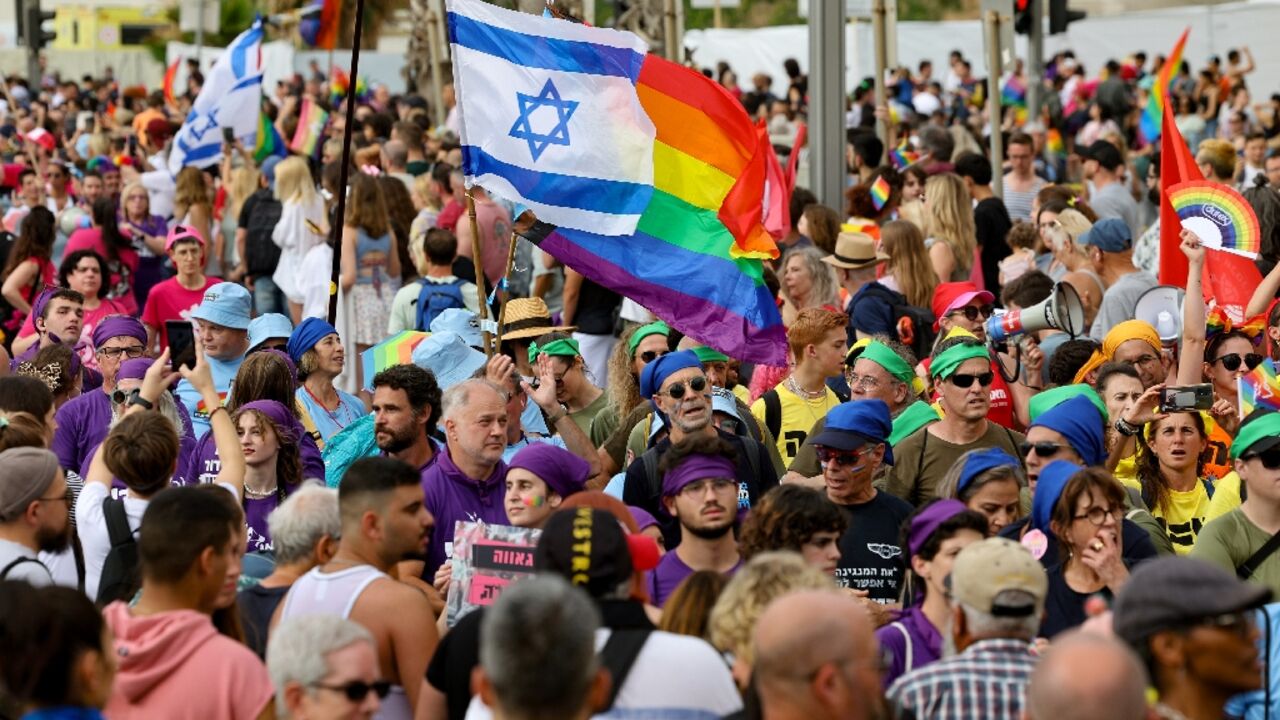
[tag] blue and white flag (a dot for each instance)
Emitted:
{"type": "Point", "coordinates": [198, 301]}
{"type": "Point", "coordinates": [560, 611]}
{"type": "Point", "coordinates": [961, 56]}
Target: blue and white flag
{"type": "Point", "coordinates": [550, 116]}
{"type": "Point", "coordinates": [231, 97]}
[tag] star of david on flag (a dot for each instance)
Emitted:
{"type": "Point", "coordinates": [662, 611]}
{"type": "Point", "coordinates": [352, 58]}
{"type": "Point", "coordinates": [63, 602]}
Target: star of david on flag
{"type": "Point", "coordinates": [230, 97]}
{"type": "Point", "coordinates": [563, 132]}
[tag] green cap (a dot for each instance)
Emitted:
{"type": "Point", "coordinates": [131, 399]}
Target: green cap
{"type": "Point", "coordinates": [644, 331]}
{"type": "Point", "coordinates": [1264, 426]}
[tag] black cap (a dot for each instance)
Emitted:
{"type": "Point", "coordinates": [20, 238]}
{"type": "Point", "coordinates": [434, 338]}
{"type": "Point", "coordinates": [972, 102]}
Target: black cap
{"type": "Point", "coordinates": [1107, 155]}
{"type": "Point", "coordinates": [586, 546]}
{"type": "Point", "coordinates": [1173, 592]}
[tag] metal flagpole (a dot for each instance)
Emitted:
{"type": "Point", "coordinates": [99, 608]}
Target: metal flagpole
{"type": "Point", "coordinates": [336, 231]}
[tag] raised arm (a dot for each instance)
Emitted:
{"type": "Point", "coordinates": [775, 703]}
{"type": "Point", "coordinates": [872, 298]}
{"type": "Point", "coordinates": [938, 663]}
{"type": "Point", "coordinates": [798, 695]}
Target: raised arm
{"type": "Point", "coordinates": [1190, 368]}
{"type": "Point", "coordinates": [1264, 293]}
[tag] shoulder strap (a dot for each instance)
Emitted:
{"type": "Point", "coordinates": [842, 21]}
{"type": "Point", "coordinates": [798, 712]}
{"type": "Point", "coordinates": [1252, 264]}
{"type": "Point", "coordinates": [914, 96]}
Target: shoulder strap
{"type": "Point", "coordinates": [619, 656]}
{"type": "Point", "coordinates": [908, 660]}
{"type": "Point", "coordinates": [649, 463]}
{"type": "Point", "coordinates": [772, 412]}
{"type": "Point", "coordinates": [4, 573]}
{"type": "Point", "coordinates": [1246, 569]}
{"type": "Point", "coordinates": [117, 522]}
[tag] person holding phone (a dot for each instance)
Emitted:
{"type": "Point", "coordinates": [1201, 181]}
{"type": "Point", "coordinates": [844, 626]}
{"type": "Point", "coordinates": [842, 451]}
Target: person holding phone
{"type": "Point", "coordinates": [177, 297]}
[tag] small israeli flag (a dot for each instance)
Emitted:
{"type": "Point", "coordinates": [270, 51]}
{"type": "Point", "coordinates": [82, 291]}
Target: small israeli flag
{"type": "Point", "coordinates": [551, 117]}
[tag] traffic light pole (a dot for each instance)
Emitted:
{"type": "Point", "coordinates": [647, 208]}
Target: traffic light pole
{"type": "Point", "coordinates": [826, 102]}
{"type": "Point", "coordinates": [1035, 60]}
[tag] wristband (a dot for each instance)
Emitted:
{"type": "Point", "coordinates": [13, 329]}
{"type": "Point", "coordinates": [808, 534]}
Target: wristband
{"type": "Point", "coordinates": [135, 398]}
{"type": "Point", "coordinates": [561, 414]}
{"type": "Point", "coordinates": [1126, 429]}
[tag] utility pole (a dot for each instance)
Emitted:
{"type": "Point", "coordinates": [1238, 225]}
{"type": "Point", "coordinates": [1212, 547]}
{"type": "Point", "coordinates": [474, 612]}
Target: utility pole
{"type": "Point", "coordinates": [879, 29]}
{"type": "Point", "coordinates": [991, 19]}
{"type": "Point", "coordinates": [827, 101]}
{"type": "Point", "coordinates": [1035, 60]}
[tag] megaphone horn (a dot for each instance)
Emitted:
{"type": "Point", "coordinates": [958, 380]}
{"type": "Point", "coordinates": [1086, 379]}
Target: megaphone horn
{"type": "Point", "coordinates": [1062, 310]}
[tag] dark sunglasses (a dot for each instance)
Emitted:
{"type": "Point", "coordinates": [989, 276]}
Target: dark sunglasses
{"type": "Point", "coordinates": [964, 380]}
{"type": "Point", "coordinates": [1043, 449]}
{"type": "Point", "coordinates": [971, 313]}
{"type": "Point", "coordinates": [1231, 362]}
{"type": "Point", "coordinates": [1270, 459]}
{"type": "Point", "coordinates": [839, 457]}
{"type": "Point", "coordinates": [357, 690]}
{"type": "Point", "coordinates": [650, 355]}
{"type": "Point", "coordinates": [676, 391]}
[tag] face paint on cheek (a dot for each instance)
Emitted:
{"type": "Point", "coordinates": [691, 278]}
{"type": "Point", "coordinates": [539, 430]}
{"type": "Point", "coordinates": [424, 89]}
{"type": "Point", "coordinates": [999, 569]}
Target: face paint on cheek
{"type": "Point", "coordinates": [535, 501]}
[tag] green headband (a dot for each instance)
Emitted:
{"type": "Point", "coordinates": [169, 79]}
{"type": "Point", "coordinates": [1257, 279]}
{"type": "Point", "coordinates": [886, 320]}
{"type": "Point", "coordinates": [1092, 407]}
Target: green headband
{"type": "Point", "coordinates": [917, 415]}
{"type": "Point", "coordinates": [1042, 402]}
{"type": "Point", "coordinates": [565, 347]}
{"type": "Point", "coordinates": [644, 331]}
{"type": "Point", "coordinates": [945, 363]}
{"type": "Point", "coordinates": [880, 354]}
{"type": "Point", "coordinates": [708, 355]}
{"type": "Point", "coordinates": [1263, 426]}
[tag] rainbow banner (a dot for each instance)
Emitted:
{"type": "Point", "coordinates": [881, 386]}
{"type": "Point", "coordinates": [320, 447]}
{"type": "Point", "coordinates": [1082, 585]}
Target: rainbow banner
{"type": "Point", "coordinates": [311, 122]}
{"type": "Point", "coordinates": [395, 350]}
{"type": "Point", "coordinates": [1152, 114]}
{"type": "Point", "coordinates": [269, 141]}
{"type": "Point", "coordinates": [1259, 388]}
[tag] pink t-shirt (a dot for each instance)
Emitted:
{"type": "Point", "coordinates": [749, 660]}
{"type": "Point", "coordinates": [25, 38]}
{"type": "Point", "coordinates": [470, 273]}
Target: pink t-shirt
{"type": "Point", "coordinates": [170, 301]}
{"type": "Point", "coordinates": [120, 282]}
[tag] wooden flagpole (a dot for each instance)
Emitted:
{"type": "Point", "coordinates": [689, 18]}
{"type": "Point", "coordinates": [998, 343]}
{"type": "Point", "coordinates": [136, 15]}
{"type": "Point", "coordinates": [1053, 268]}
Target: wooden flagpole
{"type": "Point", "coordinates": [335, 273]}
{"type": "Point", "coordinates": [505, 293]}
{"type": "Point", "coordinates": [480, 279]}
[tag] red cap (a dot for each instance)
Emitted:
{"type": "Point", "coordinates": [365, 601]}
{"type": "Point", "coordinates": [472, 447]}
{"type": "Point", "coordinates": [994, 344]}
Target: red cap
{"type": "Point", "coordinates": [644, 552]}
{"type": "Point", "coordinates": [952, 295]}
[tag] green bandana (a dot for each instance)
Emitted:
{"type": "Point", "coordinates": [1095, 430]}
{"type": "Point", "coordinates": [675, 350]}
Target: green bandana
{"type": "Point", "coordinates": [1263, 426]}
{"type": "Point", "coordinates": [880, 354]}
{"type": "Point", "coordinates": [565, 347]}
{"type": "Point", "coordinates": [707, 355]}
{"type": "Point", "coordinates": [945, 363]}
{"type": "Point", "coordinates": [1042, 402]}
{"type": "Point", "coordinates": [917, 415]}
{"type": "Point", "coordinates": [644, 331]}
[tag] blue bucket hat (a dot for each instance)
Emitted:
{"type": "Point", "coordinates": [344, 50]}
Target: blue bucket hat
{"type": "Point", "coordinates": [267, 327]}
{"type": "Point", "coordinates": [855, 423]}
{"type": "Point", "coordinates": [462, 322]}
{"type": "Point", "coordinates": [226, 304]}
{"type": "Point", "coordinates": [448, 357]}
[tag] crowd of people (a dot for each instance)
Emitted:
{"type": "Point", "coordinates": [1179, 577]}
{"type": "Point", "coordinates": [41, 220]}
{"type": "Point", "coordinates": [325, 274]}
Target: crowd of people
{"type": "Point", "coordinates": [209, 507]}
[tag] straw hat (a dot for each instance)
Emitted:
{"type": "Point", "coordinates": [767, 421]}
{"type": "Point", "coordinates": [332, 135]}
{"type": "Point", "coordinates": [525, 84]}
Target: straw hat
{"type": "Point", "coordinates": [528, 318]}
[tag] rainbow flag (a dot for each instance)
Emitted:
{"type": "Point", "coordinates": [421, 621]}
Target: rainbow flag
{"type": "Point", "coordinates": [1259, 388]}
{"type": "Point", "coordinates": [269, 141]}
{"type": "Point", "coordinates": [903, 155]}
{"type": "Point", "coordinates": [1014, 92]}
{"type": "Point", "coordinates": [311, 122]}
{"type": "Point", "coordinates": [395, 350]}
{"type": "Point", "coordinates": [1053, 142]}
{"type": "Point", "coordinates": [695, 259]}
{"type": "Point", "coordinates": [340, 85]}
{"type": "Point", "coordinates": [170, 74]}
{"type": "Point", "coordinates": [1154, 112]}
{"type": "Point", "coordinates": [318, 25]}
{"type": "Point", "coordinates": [880, 192]}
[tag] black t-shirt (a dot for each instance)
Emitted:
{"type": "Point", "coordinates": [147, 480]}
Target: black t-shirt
{"type": "Point", "coordinates": [991, 226]}
{"type": "Point", "coordinates": [258, 217]}
{"type": "Point", "coordinates": [596, 305]}
{"type": "Point", "coordinates": [870, 556]}
{"type": "Point", "coordinates": [1135, 543]}
{"type": "Point", "coordinates": [751, 487]}
{"type": "Point", "coordinates": [257, 604]}
{"type": "Point", "coordinates": [1064, 607]}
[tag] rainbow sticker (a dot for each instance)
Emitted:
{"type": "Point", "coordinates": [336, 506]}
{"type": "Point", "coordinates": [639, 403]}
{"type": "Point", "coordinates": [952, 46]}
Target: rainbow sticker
{"type": "Point", "coordinates": [1222, 218]}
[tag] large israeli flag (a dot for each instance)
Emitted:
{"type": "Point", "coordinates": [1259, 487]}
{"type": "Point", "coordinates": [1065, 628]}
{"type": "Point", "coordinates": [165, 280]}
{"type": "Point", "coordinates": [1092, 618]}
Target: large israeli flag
{"type": "Point", "coordinates": [550, 116]}
{"type": "Point", "coordinates": [230, 97]}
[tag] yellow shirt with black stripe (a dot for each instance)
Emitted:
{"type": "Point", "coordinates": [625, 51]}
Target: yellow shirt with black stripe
{"type": "Point", "coordinates": [1182, 516]}
{"type": "Point", "coordinates": [798, 416]}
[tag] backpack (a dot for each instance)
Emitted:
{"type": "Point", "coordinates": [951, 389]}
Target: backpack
{"type": "Point", "coordinates": [914, 328]}
{"type": "Point", "coordinates": [120, 577]}
{"type": "Point", "coordinates": [435, 298]}
{"type": "Point", "coordinates": [653, 483]}
{"type": "Point", "coordinates": [261, 253]}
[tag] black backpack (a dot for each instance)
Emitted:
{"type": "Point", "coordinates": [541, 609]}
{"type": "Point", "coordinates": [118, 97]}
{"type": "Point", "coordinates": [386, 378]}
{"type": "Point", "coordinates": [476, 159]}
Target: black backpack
{"type": "Point", "coordinates": [120, 577]}
{"type": "Point", "coordinates": [914, 328]}
{"type": "Point", "coordinates": [261, 253]}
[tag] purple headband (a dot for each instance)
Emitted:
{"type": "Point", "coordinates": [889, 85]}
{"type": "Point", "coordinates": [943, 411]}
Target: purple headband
{"type": "Point", "coordinates": [134, 368]}
{"type": "Point", "coordinates": [118, 326]}
{"type": "Point", "coordinates": [288, 425]}
{"type": "Point", "coordinates": [562, 471]}
{"type": "Point", "coordinates": [695, 468]}
{"type": "Point", "coordinates": [37, 307]}
{"type": "Point", "coordinates": [927, 522]}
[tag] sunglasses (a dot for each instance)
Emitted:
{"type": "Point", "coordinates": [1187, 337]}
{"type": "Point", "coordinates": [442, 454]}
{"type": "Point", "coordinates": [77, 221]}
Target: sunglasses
{"type": "Point", "coordinates": [1270, 459]}
{"type": "Point", "coordinates": [650, 355]}
{"type": "Point", "coordinates": [357, 690]}
{"type": "Point", "coordinates": [676, 391]}
{"type": "Point", "coordinates": [964, 380]}
{"type": "Point", "coordinates": [1231, 362]}
{"type": "Point", "coordinates": [1043, 449]}
{"type": "Point", "coordinates": [971, 313]}
{"type": "Point", "coordinates": [846, 458]}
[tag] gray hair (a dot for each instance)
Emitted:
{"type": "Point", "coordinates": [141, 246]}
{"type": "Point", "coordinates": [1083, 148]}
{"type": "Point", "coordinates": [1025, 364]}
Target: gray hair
{"type": "Point", "coordinates": [537, 648]}
{"type": "Point", "coordinates": [457, 397]}
{"type": "Point", "coordinates": [300, 521]}
{"type": "Point", "coordinates": [165, 405]}
{"type": "Point", "coordinates": [397, 154]}
{"type": "Point", "coordinates": [985, 625]}
{"type": "Point", "coordinates": [299, 649]}
{"type": "Point", "coordinates": [949, 484]}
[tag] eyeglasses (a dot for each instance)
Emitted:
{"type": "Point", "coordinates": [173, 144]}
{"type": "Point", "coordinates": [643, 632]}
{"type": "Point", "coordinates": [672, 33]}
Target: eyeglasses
{"type": "Point", "coordinates": [676, 391]}
{"type": "Point", "coordinates": [133, 351]}
{"type": "Point", "coordinates": [1043, 449]}
{"type": "Point", "coordinates": [964, 380]}
{"type": "Point", "coordinates": [1144, 360]}
{"type": "Point", "coordinates": [971, 313]}
{"type": "Point", "coordinates": [357, 690]}
{"type": "Point", "coordinates": [866, 382]}
{"type": "Point", "coordinates": [650, 355]}
{"type": "Point", "coordinates": [846, 458]}
{"type": "Point", "coordinates": [1098, 516]}
{"type": "Point", "coordinates": [1270, 459]}
{"type": "Point", "coordinates": [717, 485]}
{"type": "Point", "coordinates": [1231, 362]}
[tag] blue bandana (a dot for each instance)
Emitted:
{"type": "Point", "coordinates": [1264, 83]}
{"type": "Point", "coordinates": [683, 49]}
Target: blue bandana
{"type": "Point", "coordinates": [306, 335]}
{"type": "Point", "coordinates": [1080, 423]}
{"type": "Point", "coordinates": [657, 372]}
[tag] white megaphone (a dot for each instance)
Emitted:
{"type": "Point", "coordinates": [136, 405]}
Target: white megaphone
{"type": "Point", "coordinates": [1062, 310]}
{"type": "Point", "coordinates": [1161, 306]}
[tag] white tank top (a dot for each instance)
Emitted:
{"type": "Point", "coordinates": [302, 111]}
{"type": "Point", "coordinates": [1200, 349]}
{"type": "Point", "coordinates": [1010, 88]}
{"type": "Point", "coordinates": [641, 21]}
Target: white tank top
{"type": "Point", "coordinates": [320, 593]}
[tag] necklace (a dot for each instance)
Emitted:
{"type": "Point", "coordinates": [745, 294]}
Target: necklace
{"type": "Point", "coordinates": [1167, 713]}
{"type": "Point", "coordinates": [333, 414]}
{"type": "Point", "coordinates": [250, 493]}
{"type": "Point", "coordinates": [794, 387]}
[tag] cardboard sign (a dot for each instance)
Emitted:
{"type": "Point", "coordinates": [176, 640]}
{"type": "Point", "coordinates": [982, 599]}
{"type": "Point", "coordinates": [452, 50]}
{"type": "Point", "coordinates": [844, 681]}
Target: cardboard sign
{"type": "Point", "coordinates": [485, 560]}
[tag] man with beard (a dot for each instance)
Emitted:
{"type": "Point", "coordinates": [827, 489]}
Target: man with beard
{"type": "Point", "coordinates": [33, 513]}
{"type": "Point", "coordinates": [384, 521]}
{"type": "Point", "coordinates": [699, 490]}
{"type": "Point", "coordinates": [851, 449]}
{"type": "Point", "coordinates": [678, 386]}
{"type": "Point", "coordinates": [406, 408]}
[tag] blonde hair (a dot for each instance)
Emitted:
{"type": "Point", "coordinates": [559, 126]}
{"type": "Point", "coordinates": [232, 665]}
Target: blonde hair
{"type": "Point", "coordinates": [135, 186]}
{"type": "Point", "coordinates": [293, 181]}
{"type": "Point", "coordinates": [190, 189]}
{"type": "Point", "coordinates": [765, 578]}
{"type": "Point", "coordinates": [1220, 155]}
{"type": "Point", "coordinates": [244, 181]}
{"type": "Point", "coordinates": [825, 289]}
{"type": "Point", "coordinates": [425, 188]}
{"type": "Point", "coordinates": [950, 217]}
{"type": "Point", "coordinates": [909, 262]}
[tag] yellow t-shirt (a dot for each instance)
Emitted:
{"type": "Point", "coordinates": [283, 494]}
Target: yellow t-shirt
{"type": "Point", "coordinates": [798, 416]}
{"type": "Point", "coordinates": [1183, 516]}
{"type": "Point", "coordinates": [1226, 496]}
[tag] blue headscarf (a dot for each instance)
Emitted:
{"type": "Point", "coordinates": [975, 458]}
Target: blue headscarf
{"type": "Point", "coordinates": [657, 372]}
{"type": "Point", "coordinates": [1079, 421]}
{"type": "Point", "coordinates": [980, 461]}
{"type": "Point", "coordinates": [306, 335]}
{"type": "Point", "coordinates": [1053, 478]}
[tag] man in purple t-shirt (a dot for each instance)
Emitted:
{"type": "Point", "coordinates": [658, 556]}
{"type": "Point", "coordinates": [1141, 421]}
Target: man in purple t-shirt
{"type": "Point", "coordinates": [700, 490]}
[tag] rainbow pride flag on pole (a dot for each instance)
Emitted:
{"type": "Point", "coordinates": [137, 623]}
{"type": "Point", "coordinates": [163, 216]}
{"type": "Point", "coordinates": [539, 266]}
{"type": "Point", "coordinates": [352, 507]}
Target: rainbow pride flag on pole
{"type": "Point", "coordinates": [1154, 112]}
{"type": "Point", "coordinates": [1259, 388]}
{"type": "Point", "coordinates": [311, 121]}
{"type": "Point", "coordinates": [269, 141]}
{"type": "Point", "coordinates": [395, 350]}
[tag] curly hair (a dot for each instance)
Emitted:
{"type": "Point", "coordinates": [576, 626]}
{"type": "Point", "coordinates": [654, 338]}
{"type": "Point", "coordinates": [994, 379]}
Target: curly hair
{"type": "Point", "coordinates": [419, 387]}
{"type": "Point", "coordinates": [762, 580]}
{"type": "Point", "coordinates": [1069, 358]}
{"type": "Point", "coordinates": [786, 518]}
{"type": "Point", "coordinates": [624, 387]}
{"type": "Point", "coordinates": [1155, 487]}
{"type": "Point", "coordinates": [288, 458]}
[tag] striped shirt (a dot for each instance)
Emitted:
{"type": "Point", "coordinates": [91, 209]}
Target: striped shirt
{"type": "Point", "coordinates": [988, 680]}
{"type": "Point", "coordinates": [1019, 203]}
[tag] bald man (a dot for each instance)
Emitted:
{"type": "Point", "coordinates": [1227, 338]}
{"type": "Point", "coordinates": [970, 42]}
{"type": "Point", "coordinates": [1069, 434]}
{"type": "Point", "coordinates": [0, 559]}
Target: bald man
{"type": "Point", "coordinates": [1086, 676]}
{"type": "Point", "coordinates": [816, 659]}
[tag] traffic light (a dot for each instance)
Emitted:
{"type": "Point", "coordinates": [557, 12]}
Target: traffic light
{"type": "Point", "coordinates": [1060, 16]}
{"type": "Point", "coordinates": [34, 34]}
{"type": "Point", "coordinates": [1024, 16]}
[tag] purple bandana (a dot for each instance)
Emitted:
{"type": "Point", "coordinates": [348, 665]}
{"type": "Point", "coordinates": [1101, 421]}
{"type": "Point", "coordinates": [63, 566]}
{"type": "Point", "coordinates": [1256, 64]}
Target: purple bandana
{"type": "Point", "coordinates": [118, 326]}
{"type": "Point", "coordinates": [695, 468]}
{"type": "Point", "coordinates": [562, 471]}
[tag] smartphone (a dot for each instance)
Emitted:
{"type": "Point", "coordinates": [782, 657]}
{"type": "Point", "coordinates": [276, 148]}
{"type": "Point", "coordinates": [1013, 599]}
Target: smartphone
{"type": "Point", "coordinates": [133, 145]}
{"type": "Point", "coordinates": [229, 135]}
{"type": "Point", "coordinates": [182, 343]}
{"type": "Point", "coordinates": [1187, 397]}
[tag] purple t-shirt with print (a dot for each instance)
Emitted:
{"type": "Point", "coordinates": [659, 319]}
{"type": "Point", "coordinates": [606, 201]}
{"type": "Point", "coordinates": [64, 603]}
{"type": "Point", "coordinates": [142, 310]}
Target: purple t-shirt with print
{"type": "Point", "coordinates": [202, 464]}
